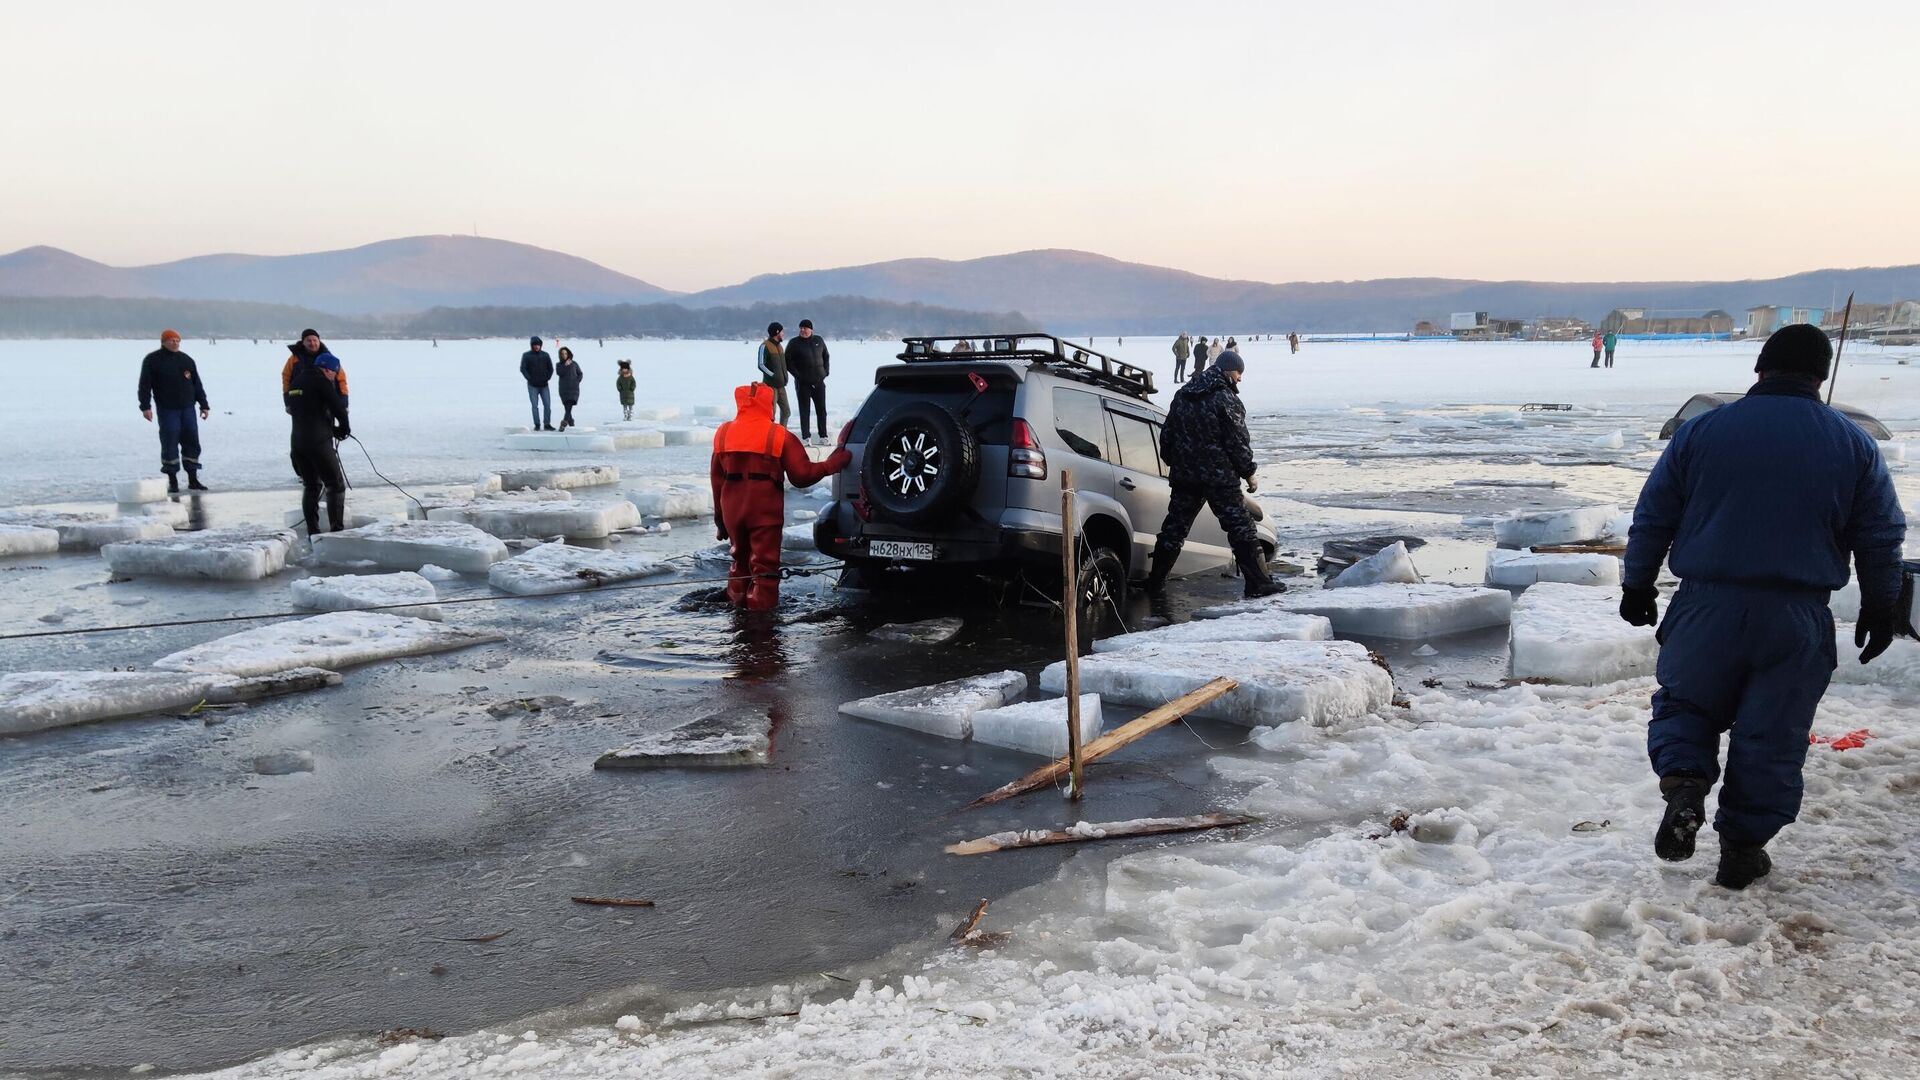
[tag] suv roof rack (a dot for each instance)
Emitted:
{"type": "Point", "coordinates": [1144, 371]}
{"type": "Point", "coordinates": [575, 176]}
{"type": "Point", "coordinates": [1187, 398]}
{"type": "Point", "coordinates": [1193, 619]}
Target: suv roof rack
{"type": "Point", "coordinates": [1040, 350]}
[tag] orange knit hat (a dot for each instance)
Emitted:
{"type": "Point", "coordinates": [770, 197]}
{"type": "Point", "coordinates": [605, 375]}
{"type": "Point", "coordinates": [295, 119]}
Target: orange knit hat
{"type": "Point", "coordinates": [165, 334]}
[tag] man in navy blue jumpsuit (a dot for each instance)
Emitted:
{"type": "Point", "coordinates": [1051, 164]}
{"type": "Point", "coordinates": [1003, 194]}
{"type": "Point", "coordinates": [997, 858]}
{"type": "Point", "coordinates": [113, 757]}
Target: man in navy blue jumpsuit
{"type": "Point", "coordinates": [1761, 503]}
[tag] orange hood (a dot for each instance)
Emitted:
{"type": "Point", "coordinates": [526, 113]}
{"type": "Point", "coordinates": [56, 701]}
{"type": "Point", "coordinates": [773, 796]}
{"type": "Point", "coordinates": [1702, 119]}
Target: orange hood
{"type": "Point", "coordinates": [752, 430]}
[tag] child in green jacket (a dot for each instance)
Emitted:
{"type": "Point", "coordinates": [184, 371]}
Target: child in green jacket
{"type": "Point", "coordinates": [625, 385]}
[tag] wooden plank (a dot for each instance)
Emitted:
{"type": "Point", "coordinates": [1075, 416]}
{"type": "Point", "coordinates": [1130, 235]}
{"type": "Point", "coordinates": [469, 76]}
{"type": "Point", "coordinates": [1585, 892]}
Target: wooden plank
{"type": "Point", "coordinates": [1109, 831]}
{"type": "Point", "coordinates": [1070, 595]}
{"type": "Point", "coordinates": [1113, 740]}
{"type": "Point", "coordinates": [611, 901]}
{"type": "Point", "coordinates": [968, 924]}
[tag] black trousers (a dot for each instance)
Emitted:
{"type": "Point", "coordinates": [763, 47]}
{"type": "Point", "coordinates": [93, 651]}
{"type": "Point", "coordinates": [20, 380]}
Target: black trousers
{"type": "Point", "coordinates": [816, 394]}
{"type": "Point", "coordinates": [318, 466]}
{"type": "Point", "coordinates": [1226, 503]}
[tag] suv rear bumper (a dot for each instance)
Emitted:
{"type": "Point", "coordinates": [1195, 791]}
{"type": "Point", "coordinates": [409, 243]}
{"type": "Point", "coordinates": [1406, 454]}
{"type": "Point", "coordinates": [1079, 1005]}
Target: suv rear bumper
{"type": "Point", "coordinates": [1026, 537]}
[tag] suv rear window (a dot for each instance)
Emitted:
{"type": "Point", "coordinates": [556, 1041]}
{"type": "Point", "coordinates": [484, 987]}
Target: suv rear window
{"type": "Point", "coordinates": [991, 417]}
{"type": "Point", "coordinates": [1080, 421]}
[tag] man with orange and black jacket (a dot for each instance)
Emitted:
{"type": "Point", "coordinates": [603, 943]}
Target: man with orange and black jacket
{"type": "Point", "coordinates": [313, 386]}
{"type": "Point", "coordinates": [753, 458]}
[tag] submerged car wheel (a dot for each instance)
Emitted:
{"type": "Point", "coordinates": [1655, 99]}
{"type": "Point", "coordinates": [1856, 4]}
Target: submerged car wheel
{"type": "Point", "coordinates": [1102, 592]}
{"type": "Point", "coordinates": [921, 464]}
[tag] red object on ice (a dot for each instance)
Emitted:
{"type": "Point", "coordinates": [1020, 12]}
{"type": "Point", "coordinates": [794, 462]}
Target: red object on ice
{"type": "Point", "coordinates": [1852, 740]}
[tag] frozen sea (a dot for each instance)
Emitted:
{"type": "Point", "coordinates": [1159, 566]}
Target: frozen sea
{"type": "Point", "coordinates": [1458, 886]}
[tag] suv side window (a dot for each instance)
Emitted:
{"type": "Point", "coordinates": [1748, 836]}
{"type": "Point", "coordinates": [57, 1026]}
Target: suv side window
{"type": "Point", "coordinates": [1081, 423]}
{"type": "Point", "coordinates": [1134, 438]}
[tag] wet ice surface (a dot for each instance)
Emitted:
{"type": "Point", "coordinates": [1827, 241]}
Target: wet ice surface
{"type": "Point", "coordinates": [167, 902]}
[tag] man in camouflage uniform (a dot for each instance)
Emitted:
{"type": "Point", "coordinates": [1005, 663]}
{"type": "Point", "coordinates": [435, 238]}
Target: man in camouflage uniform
{"type": "Point", "coordinates": [1208, 456]}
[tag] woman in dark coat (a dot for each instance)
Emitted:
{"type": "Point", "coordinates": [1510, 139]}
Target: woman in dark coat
{"type": "Point", "coordinates": [567, 373]}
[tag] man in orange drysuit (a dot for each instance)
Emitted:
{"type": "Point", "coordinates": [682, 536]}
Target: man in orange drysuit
{"type": "Point", "coordinates": [753, 457]}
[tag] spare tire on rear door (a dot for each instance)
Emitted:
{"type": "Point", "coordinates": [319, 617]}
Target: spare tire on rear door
{"type": "Point", "coordinates": [920, 465]}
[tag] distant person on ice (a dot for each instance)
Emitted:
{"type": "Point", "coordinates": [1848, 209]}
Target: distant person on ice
{"type": "Point", "coordinates": [537, 368]}
{"type": "Point", "coordinates": [625, 385]}
{"type": "Point", "coordinates": [772, 361]}
{"type": "Point", "coordinates": [753, 458]}
{"type": "Point", "coordinates": [1208, 457]}
{"type": "Point", "coordinates": [1182, 348]}
{"type": "Point", "coordinates": [1598, 341]}
{"type": "Point", "coordinates": [1199, 356]}
{"type": "Point", "coordinates": [1761, 503]}
{"type": "Point", "coordinates": [1608, 342]}
{"type": "Point", "coordinates": [170, 390]}
{"type": "Point", "coordinates": [313, 386]}
{"type": "Point", "coordinates": [1293, 343]}
{"type": "Point", "coordinates": [567, 374]}
{"type": "Point", "coordinates": [809, 363]}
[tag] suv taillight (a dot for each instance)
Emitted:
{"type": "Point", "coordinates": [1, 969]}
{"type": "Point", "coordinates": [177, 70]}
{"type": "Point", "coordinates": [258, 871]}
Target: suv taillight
{"type": "Point", "coordinates": [1025, 459]}
{"type": "Point", "coordinates": [845, 430]}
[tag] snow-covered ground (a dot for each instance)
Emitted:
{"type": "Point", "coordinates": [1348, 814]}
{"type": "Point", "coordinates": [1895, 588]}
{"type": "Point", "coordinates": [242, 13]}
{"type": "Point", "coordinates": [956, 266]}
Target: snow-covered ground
{"type": "Point", "coordinates": [1459, 884]}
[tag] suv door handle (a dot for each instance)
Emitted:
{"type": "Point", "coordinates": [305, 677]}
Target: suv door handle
{"type": "Point", "coordinates": [1127, 482]}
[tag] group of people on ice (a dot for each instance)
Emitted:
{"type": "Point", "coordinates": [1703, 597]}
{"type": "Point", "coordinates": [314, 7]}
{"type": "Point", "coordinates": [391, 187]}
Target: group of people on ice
{"type": "Point", "coordinates": [541, 372]}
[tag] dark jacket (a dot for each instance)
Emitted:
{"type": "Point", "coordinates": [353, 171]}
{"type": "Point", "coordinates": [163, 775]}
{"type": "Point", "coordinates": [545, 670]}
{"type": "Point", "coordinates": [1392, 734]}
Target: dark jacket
{"type": "Point", "coordinates": [1205, 440]}
{"type": "Point", "coordinates": [170, 380]}
{"type": "Point", "coordinates": [536, 367]}
{"type": "Point", "coordinates": [807, 359]}
{"type": "Point", "coordinates": [626, 385]}
{"type": "Point", "coordinates": [314, 399]}
{"type": "Point", "coordinates": [1775, 490]}
{"type": "Point", "coordinates": [569, 375]}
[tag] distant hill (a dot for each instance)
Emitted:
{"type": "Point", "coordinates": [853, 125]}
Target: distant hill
{"type": "Point", "coordinates": [1076, 292]}
{"type": "Point", "coordinates": [143, 319]}
{"type": "Point", "coordinates": [1069, 292]}
{"type": "Point", "coordinates": [410, 274]}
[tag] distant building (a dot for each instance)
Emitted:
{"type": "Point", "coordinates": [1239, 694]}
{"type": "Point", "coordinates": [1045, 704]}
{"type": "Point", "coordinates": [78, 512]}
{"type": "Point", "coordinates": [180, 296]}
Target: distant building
{"type": "Point", "coordinates": [1637, 321]}
{"type": "Point", "coordinates": [1425, 328]}
{"type": "Point", "coordinates": [1764, 320]}
{"type": "Point", "coordinates": [1560, 328]}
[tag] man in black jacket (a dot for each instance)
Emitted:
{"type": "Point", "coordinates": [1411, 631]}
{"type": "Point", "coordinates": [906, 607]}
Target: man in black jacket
{"type": "Point", "coordinates": [1208, 456]}
{"type": "Point", "coordinates": [170, 389]}
{"type": "Point", "coordinates": [808, 364]}
{"type": "Point", "coordinates": [313, 390]}
{"type": "Point", "coordinates": [537, 368]}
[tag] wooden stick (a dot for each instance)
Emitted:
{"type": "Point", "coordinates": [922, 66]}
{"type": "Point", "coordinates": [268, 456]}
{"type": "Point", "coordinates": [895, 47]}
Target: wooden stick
{"type": "Point", "coordinates": [1112, 740]}
{"type": "Point", "coordinates": [1834, 377]}
{"type": "Point", "coordinates": [611, 901]}
{"type": "Point", "coordinates": [1070, 575]}
{"type": "Point", "coordinates": [967, 925]}
{"type": "Point", "coordinates": [1109, 831]}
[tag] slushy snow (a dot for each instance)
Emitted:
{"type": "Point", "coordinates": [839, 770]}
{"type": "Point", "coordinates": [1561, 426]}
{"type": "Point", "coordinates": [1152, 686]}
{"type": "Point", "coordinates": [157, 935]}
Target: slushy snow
{"type": "Point", "coordinates": [241, 553]}
{"type": "Point", "coordinates": [1266, 625]}
{"type": "Point", "coordinates": [38, 700]}
{"type": "Point", "coordinates": [559, 567]}
{"type": "Point", "coordinates": [1572, 634]}
{"type": "Point", "coordinates": [410, 545]}
{"type": "Point", "coordinates": [944, 709]}
{"type": "Point", "coordinates": [1538, 528]}
{"type": "Point", "coordinates": [1037, 727]}
{"type": "Point", "coordinates": [1519, 569]}
{"type": "Point", "coordinates": [332, 641]}
{"type": "Point", "coordinates": [343, 592]}
{"type": "Point", "coordinates": [1389, 565]}
{"type": "Point", "coordinates": [1319, 682]}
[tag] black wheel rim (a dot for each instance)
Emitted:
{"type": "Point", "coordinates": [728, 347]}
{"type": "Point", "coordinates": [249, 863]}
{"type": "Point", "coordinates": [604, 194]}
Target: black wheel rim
{"type": "Point", "coordinates": [913, 463]}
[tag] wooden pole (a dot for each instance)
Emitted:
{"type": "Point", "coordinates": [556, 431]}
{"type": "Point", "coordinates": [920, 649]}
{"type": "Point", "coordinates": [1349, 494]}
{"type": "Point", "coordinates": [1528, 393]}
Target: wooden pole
{"type": "Point", "coordinates": [1110, 831]}
{"type": "Point", "coordinates": [1113, 740]}
{"type": "Point", "coordinates": [1070, 573]}
{"type": "Point", "coordinates": [1844, 320]}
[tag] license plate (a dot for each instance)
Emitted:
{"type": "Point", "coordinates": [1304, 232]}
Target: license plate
{"type": "Point", "coordinates": [895, 549]}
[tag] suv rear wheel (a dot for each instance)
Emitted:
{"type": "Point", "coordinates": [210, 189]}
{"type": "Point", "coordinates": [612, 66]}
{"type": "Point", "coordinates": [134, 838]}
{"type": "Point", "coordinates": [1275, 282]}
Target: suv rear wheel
{"type": "Point", "coordinates": [1102, 592]}
{"type": "Point", "coordinates": [921, 464]}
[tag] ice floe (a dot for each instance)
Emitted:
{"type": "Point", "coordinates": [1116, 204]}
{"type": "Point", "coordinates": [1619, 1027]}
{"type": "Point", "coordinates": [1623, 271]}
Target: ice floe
{"type": "Point", "coordinates": [147, 489]}
{"type": "Point", "coordinates": [1389, 565]}
{"type": "Point", "coordinates": [1519, 569]}
{"type": "Point", "coordinates": [688, 500]}
{"type": "Point", "coordinates": [38, 700]}
{"type": "Point", "coordinates": [1536, 528]}
{"type": "Point", "coordinates": [944, 709]}
{"type": "Point", "coordinates": [512, 519]}
{"type": "Point", "coordinates": [409, 545]}
{"type": "Point", "coordinates": [1270, 624]}
{"type": "Point", "coordinates": [240, 553]}
{"type": "Point", "coordinates": [562, 442]}
{"type": "Point", "coordinates": [1037, 727]}
{"type": "Point", "coordinates": [564, 476]}
{"type": "Point", "coordinates": [723, 740]}
{"type": "Point", "coordinates": [925, 632]}
{"type": "Point", "coordinates": [27, 540]}
{"type": "Point", "coordinates": [88, 531]}
{"type": "Point", "coordinates": [342, 592]}
{"type": "Point", "coordinates": [1390, 611]}
{"type": "Point", "coordinates": [559, 567]}
{"type": "Point", "coordinates": [1573, 634]}
{"type": "Point", "coordinates": [1320, 682]}
{"type": "Point", "coordinates": [332, 641]}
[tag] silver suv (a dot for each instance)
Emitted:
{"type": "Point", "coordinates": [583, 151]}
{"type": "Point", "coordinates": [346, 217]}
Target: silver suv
{"type": "Point", "coordinates": [956, 462]}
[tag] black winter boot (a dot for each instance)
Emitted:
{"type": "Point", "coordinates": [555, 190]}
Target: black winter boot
{"type": "Point", "coordinates": [1741, 865]}
{"type": "Point", "coordinates": [193, 481]}
{"type": "Point", "coordinates": [1157, 577]}
{"type": "Point", "coordinates": [173, 483]}
{"type": "Point", "coordinates": [1253, 570]}
{"type": "Point", "coordinates": [1686, 811]}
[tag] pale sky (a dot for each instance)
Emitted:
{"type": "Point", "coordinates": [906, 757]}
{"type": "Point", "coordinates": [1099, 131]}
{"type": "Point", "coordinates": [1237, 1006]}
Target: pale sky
{"type": "Point", "coordinates": [696, 145]}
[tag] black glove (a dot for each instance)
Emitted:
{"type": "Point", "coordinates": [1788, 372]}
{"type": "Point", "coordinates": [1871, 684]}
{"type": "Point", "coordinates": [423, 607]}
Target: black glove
{"type": "Point", "coordinates": [341, 432]}
{"type": "Point", "coordinates": [1875, 632]}
{"type": "Point", "coordinates": [1639, 607]}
